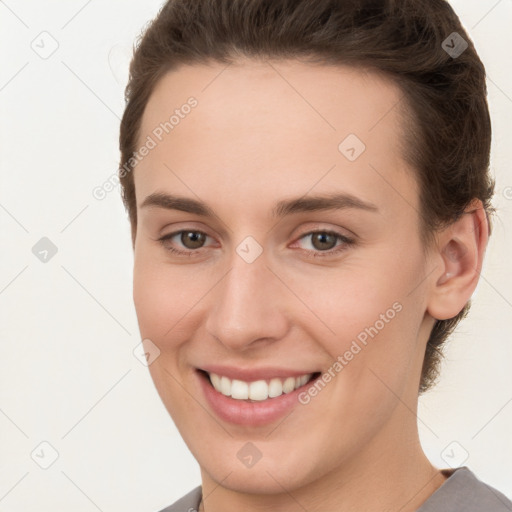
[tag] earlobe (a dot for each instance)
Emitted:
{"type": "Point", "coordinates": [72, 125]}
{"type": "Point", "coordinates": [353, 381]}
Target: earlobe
{"type": "Point", "coordinates": [461, 252]}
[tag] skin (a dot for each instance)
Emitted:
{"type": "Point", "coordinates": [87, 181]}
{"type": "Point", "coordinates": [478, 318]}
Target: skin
{"type": "Point", "coordinates": [263, 132]}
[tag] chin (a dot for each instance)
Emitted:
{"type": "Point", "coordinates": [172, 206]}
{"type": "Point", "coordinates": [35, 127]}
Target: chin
{"type": "Point", "coordinates": [271, 474]}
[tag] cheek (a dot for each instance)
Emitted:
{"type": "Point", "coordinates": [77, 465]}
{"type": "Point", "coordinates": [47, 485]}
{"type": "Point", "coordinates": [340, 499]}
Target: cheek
{"type": "Point", "coordinates": [164, 301]}
{"type": "Point", "coordinates": [366, 314]}
{"type": "Point", "coordinates": [162, 295]}
{"type": "Point", "coordinates": [346, 300]}
{"type": "Point", "coordinates": [150, 301]}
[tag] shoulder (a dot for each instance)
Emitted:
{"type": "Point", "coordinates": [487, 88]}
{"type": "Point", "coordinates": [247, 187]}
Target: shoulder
{"type": "Point", "coordinates": [462, 490]}
{"type": "Point", "coordinates": [188, 503]}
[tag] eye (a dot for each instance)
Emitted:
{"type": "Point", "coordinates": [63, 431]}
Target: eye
{"type": "Point", "coordinates": [323, 243]}
{"type": "Point", "coordinates": [190, 239]}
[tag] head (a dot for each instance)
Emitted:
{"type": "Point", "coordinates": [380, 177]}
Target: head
{"type": "Point", "coordinates": [276, 105]}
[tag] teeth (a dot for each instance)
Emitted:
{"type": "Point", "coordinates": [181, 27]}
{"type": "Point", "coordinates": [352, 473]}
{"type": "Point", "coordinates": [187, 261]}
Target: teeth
{"type": "Point", "coordinates": [258, 390]}
{"type": "Point", "coordinates": [225, 386]}
{"type": "Point", "coordinates": [239, 389]}
{"type": "Point", "coordinates": [275, 388]}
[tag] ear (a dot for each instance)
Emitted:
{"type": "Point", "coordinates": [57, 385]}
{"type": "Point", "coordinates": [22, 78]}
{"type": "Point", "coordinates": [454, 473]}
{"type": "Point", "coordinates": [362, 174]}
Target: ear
{"type": "Point", "coordinates": [459, 253]}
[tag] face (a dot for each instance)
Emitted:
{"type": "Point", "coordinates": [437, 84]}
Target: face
{"type": "Point", "coordinates": [290, 250]}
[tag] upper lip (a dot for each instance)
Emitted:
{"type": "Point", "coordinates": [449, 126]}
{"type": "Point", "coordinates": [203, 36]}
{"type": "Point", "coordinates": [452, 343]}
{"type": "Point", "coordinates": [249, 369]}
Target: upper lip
{"type": "Point", "coordinates": [254, 374]}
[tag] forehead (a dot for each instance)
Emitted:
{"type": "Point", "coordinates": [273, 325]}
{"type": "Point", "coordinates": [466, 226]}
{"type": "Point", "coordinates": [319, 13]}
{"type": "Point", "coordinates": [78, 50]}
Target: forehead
{"type": "Point", "coordinates": [281, 126]}
{"type": "Point", "coordinates": [327, 99]}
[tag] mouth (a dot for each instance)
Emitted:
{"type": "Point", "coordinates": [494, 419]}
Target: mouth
{"type": "Point", "coordinates": [258, 390]}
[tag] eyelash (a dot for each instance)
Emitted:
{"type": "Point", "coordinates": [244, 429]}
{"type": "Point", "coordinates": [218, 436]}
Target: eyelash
{"type": "Point", "coordinates": [347, 242]}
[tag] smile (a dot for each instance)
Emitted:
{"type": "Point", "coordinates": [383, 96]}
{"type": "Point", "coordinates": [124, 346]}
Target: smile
{"type": "Point", "coordinates": [258, 390]}
{"type": "Point", "coordinates": [252, 397]}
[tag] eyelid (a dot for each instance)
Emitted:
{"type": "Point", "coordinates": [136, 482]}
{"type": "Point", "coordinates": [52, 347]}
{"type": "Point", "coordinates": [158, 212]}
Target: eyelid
{"type": "Point", "coordinates": [314, 227]}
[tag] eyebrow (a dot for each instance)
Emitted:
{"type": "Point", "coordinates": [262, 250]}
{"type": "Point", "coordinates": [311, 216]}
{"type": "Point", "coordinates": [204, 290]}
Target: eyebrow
{"type": "Point", "coordinates": [335, 201]}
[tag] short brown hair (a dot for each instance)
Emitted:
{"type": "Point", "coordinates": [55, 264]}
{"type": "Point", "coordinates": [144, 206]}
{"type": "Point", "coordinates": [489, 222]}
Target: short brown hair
{"type": "Point", "coordinates": [447, 128]}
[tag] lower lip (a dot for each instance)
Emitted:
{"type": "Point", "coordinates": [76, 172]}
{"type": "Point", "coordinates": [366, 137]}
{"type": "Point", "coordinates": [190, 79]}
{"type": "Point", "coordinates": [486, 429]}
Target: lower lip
{"type": "Point", "coordinates": [257, 413]}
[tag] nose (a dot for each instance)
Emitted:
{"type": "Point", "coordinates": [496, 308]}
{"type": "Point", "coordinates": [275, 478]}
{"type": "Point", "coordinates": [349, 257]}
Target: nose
{"type": "Point", "coordinates": [248, 306]}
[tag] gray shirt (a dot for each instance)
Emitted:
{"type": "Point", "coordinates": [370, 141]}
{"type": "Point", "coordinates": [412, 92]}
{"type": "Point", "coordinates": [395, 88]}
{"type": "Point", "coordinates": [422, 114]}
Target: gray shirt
{"type": "Point", "coordinates": [462, 491]}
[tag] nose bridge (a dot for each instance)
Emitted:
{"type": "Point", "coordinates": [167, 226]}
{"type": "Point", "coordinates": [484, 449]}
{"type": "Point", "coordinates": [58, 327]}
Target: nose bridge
{"type": "Point", "coordinates": [247, 304]}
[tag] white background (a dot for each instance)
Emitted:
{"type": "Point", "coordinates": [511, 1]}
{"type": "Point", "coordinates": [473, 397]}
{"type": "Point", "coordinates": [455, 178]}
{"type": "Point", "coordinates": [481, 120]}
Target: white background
{"type": "Point", "coordinates": [68, 328]}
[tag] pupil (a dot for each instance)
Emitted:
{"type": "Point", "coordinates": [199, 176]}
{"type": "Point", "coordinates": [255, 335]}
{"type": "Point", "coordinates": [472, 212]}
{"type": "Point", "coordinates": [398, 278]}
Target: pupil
{"type": "Point", "coordinates": [192, 239]}
{"type": "Point", "coordinates": [321, 237]}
